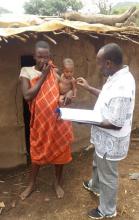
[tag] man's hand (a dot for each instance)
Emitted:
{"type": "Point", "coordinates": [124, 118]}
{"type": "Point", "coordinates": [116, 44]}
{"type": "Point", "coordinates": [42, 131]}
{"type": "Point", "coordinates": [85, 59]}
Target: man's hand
{"type": "Point", "coordinates": [82, 82]}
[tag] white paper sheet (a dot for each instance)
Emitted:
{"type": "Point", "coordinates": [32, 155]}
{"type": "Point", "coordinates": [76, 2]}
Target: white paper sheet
{"type": "Point", "coordinates": [80, 115]}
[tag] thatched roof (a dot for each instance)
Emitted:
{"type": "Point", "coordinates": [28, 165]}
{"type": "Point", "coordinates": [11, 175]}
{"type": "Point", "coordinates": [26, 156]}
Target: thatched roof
{"type": "Point", "coordinates": [28, 26]}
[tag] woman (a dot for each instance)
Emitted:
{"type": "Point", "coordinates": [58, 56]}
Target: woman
{"type": "Point", "coordinates": [50, 138]}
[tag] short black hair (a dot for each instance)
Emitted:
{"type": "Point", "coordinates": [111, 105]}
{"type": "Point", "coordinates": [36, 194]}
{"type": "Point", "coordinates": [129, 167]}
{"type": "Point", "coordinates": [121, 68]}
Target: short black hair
{"type": "Point", "coordinates": [113, 52]}
{"type": "Point", "coordinates": [42, 44]}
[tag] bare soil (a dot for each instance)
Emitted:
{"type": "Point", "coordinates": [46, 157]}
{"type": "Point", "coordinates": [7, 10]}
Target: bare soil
{"type": "Point", "coordinates": [43, 204]}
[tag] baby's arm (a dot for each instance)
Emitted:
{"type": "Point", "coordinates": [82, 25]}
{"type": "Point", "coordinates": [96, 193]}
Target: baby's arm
{"type": "Point", "coordinates": [74, 88]}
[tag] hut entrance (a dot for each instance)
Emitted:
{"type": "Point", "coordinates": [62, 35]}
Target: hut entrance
{"type": "Point", "coordinates": [27, 61]}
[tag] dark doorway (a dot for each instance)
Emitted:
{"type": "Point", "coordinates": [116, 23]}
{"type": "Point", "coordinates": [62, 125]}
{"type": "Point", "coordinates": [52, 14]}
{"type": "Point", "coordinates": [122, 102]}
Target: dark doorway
{"type": "Point", "coordinates": [27, 61]}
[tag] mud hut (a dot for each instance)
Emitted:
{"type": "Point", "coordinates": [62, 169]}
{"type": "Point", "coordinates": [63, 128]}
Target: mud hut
{"type": "Point", "coordinates": [78, 40]}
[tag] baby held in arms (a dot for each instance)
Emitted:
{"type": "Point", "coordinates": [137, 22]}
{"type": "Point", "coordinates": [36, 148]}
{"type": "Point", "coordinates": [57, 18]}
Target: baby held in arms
{"type": "Point", "coordinates": [66, 81]}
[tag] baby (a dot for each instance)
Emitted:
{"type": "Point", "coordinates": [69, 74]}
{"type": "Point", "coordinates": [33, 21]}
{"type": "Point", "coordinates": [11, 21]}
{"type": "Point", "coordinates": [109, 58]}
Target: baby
{"type": "Point", "coordinates": [66, 81]}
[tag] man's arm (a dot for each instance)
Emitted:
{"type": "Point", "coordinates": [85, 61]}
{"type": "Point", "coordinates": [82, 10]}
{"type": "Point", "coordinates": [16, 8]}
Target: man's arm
{"type": "Point", "coordinates": [118, 109]}
{"type": "Point", "coordinates": [30, 93]}
{"type": "Point", "coordinates": [84, 84]}
{"type": "Point", "coordinates": [106, 124]}
{"type": "Point", "coordinates": [93, 90]}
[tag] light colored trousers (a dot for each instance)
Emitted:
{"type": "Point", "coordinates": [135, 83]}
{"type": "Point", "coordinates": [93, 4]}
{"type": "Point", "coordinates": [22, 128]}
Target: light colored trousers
{"type": "Point", "coordinates": [105, 182]}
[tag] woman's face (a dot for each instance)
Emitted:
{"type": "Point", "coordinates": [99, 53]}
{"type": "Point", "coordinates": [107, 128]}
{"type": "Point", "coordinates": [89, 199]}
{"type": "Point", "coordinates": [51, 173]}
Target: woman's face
{"type": "Point", "coordinates": [42, 57]}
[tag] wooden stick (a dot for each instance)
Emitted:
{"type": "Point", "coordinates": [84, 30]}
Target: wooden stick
{"type": "Point", "coordinates": [6, 41]}
{"type": "Point", "coordinates": [43, 16]}
{"type": "Point", "coordinates": [27, 36]}
{"type": "Point", "coordinates": [92, 36]}
{"type": "Point", "coordinates": [20, 38]}
{"type": "Point", "coordinates": [33, 35]}
{"type": "Point", "coordinates": [49, 38]}
{"type": "Point", "coordinates": [129, 39]}
{"type": "Point", "coordinates": [100, 18]}
{"type": "Point", "coordinates": [60, 32]}
{"type": "Point", "coordinates": [75, 37]}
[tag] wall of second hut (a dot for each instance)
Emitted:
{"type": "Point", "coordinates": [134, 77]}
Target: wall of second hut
{"type": "Point", "coordinates": [83, 52]}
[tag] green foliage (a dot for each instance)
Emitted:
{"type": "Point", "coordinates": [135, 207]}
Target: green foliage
{"type": "Point", "coordinates": [51, 7]}
{"type": "Point", "coordinates": [122, 7]}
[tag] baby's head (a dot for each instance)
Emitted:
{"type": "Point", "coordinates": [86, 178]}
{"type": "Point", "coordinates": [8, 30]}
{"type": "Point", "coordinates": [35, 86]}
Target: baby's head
{"type": "Point", "coordinates": [68, 65]}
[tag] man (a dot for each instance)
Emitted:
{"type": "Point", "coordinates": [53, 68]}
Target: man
{"type": "Point", "coordinates": [111, 138]}
{"type": "Point", "coordinates": [50, 138]}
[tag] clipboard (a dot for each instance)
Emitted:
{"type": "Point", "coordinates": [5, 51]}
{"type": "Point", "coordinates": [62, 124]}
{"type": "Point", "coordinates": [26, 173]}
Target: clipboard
{"type": "Point", "coordinates": [79, 115]}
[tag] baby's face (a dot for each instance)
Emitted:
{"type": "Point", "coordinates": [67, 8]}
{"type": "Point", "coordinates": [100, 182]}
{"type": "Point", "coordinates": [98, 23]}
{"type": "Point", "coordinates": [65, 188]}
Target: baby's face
{"type": "Point", "coordinates": [68, 71]}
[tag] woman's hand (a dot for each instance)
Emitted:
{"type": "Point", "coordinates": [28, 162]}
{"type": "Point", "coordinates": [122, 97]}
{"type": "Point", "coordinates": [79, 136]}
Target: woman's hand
{"type": "Point", "coordinates": [82, 82]}
{"type": "Point", "coordinates": [46, 69]}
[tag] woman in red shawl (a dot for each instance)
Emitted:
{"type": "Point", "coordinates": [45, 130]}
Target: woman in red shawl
{"type": "Point", "coordinates": [50, 138]}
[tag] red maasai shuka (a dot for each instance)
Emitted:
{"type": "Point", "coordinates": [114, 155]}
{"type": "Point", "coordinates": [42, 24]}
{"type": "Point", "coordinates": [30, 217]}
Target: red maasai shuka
{"type": "Point", "coordinates": [50, 138]}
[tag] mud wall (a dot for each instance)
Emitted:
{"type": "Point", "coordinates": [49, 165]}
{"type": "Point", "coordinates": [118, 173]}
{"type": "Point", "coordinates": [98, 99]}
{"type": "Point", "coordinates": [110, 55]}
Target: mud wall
{"type": "Point", "coordinates": [83, 52]}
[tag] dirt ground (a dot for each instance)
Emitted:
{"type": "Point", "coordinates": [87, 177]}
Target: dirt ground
{"type": "Point", "coordinates": [43, 204]}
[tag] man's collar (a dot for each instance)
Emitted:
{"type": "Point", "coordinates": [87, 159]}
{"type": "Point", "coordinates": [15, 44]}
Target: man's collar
{"type": "Point", "coordinates": [119, 72]}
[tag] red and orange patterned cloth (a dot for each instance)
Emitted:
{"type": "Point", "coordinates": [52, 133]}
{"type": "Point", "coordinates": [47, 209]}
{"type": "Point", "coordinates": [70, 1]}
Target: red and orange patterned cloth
{"type": "Point", "coordinates": [50, 138]}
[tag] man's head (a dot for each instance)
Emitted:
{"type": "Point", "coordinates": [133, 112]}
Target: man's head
{"type": "Point", "coordinates": [110, 59]}
{"type": "Point", "coordinates": [68, 67]}
{"type": "Point", "coordinates": [42, 54]}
